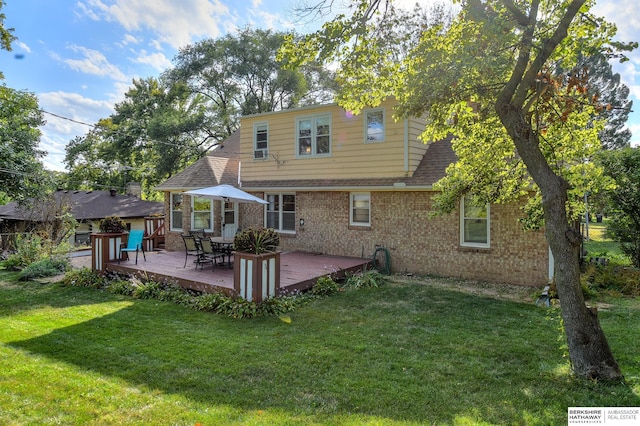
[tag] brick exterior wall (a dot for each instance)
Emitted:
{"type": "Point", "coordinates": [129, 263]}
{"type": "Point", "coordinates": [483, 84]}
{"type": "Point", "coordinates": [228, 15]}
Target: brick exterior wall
{"type": "Point", "coordinates": [401, 222]}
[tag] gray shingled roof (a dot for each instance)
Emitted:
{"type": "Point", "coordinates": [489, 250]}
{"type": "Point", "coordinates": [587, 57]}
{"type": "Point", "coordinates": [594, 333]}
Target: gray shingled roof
{"type": "Point", "coordinates": [86, 205]}
{"type": "Point", "coordinates": [219, 167]}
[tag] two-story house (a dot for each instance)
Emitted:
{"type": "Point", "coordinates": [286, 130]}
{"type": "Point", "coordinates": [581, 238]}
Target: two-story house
{"type": "Point", "coordinates": [344, 184]}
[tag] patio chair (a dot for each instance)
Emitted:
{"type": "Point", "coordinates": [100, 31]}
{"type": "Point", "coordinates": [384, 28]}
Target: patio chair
{"type": "Point", "coordinates": [191, 248]}
{"type": "Point", "coordinates": [209, 253]}
{"type": "Point", "coordinates": [134, 243]}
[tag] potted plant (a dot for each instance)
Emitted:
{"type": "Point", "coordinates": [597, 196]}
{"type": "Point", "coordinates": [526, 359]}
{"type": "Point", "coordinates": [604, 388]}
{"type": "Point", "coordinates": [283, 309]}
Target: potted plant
{"type": "Point", "coordinates": [112, 225]}
{"type": "Point", "coordinates": [105, 245]}
{"type": "Point", "coordinates": [256, 266]}
{"type": "Point", "coordinates": [256, 241]}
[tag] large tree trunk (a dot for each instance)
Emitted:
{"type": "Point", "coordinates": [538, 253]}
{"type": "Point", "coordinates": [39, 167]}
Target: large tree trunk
{"type": "Point", "coordinates": [589, 350]}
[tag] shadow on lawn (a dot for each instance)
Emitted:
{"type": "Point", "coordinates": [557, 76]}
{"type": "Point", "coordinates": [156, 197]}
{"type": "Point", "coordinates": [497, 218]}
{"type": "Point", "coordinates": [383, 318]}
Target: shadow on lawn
{"type": "Point", "coordinates": [21, 296]}
{"type": "Point", "coordinates": [402, 368]}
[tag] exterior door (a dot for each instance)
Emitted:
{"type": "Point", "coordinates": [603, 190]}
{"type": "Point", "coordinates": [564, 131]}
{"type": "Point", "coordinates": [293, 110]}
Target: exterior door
{"type": "Point", "coordinates": [230, 220]}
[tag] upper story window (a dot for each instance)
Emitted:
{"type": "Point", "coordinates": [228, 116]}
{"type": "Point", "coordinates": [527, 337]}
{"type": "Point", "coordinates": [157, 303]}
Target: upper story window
{"type": "Point", "coordinates": [281, 212]}
{"type": "Point", "coordinates": [202, 213]}
{"type": "Point", "coordinates": [474, 224]}
{"type": "Point", "coordinates": [313, 136]}
{"type": "Point", "coordinates": [260, 141]}
{"type": "Point", "coordinates": [374, 125]}
{"type": "Point", "coordinates": [176, 211]}
{"type": "Point", "coordinates": [360, 209]}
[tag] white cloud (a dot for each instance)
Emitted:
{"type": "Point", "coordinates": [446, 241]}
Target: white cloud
{"type": "Point", "coordinates": [174, 23]}
{"type": "Point", "coordinates": [62, 127]}
{"type": "Point", "coordinates": [23, 46]}
{"type": "Point", "coordinates": [157, 60]}
{"type": "Point", "coordinates": [129, 39]}
{"type": "Point", "coordinates": [95, 63]}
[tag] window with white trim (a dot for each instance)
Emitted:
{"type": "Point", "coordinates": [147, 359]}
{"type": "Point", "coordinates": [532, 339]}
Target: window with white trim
{"type": "Point", "coordinates": [360, 209]}
{"type": "Point", "coordinates": [202, 213]}
{"type": "Point", "coordinates": [281, 212]}
{"type": "Point", "coordinates": [260, 141]}
{"type": "Point", "coordinates": [176, 211]}
{"type": "Point", "coordinates": [313, 136]}
{"type": "Point", "coordinates": [374, 125]}
{"type": "Point", "coordinates": [474, 224]}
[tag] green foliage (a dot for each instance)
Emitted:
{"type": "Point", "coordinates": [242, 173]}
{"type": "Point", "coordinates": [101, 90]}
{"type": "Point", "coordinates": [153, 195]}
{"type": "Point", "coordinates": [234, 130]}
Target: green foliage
{"type": "Point", "coordinates": [611, 279]}
{"type": "Point", "coordinates": [257, 240]}
{"type": "Point", "coordinates": [29, 249]}
{"type": "Point", "coordinates": [367, 279]}
{"type": "Point", "coordinates": [112, 224]}
{"type": "Point", "coordinates": [84, 277]}
{"type": "Point", "coordinates": [23, 174]}
{"type": "Point", "coordinates": [325, 286]}
{"type": "Point", "coordinates": [47, 267]}
{"type": "Point", "coordinates": [623, 166]}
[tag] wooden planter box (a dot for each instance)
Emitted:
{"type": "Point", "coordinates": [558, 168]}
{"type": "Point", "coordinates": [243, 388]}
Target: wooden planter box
{"type": "Point", "coordinates": [256, 277]}
{"type": "Point", "coordinates": [105, 248]}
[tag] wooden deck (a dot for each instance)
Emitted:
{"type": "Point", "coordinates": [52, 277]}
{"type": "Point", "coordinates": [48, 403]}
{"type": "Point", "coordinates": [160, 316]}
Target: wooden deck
{"type": "Point", "coordinates": [298, 270]}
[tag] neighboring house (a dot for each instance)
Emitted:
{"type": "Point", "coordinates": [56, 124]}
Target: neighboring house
{"type": "Point", "coordinates": [87, 207]}
{"type": "Point", "coordinates": [345, 184]}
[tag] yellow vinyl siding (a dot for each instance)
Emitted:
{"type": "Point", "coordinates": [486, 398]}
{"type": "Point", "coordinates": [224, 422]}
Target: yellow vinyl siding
{"type": "Point", "coordinates": [416, 147]}
{"type": "Point", "coordinates": [350, 158]}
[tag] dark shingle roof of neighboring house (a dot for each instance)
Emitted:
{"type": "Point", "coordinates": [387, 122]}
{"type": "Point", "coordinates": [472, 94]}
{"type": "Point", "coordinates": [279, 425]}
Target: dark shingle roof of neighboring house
{"type": "Point", "coordinates": [86, 205]}
{"type": "Point", "coordinates": [431, 168]}
{"type": "Point", "coordinates": [219, 167]}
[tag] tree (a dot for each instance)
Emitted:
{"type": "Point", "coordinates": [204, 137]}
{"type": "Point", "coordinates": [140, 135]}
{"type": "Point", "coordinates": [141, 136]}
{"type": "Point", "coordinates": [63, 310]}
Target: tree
{"type": "Point", "coordinates": [155, 132]}
{"type": "Point", "coordinates": [605, 85]}
{"type": "Point", "coordinates": [6, 35]}
{"type": "Point", "coordinates": [490, 78]}
{"type": "Point", "coordinates": [623, 166]}
{"type": "Point", "coordinates": [21, 173]}
{"type": "Point", "coordinates": [239, 74]}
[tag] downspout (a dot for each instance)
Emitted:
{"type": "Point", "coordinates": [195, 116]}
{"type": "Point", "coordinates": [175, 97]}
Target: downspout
{"type": "Point", "coordinates": [239, 174]}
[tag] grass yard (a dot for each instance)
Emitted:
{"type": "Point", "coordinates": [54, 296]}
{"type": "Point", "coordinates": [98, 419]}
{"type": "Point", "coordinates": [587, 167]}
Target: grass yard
{"type": "Point", "coordinates": [425, 351]}
{"type": "Point", "coordinates": [599, 245]}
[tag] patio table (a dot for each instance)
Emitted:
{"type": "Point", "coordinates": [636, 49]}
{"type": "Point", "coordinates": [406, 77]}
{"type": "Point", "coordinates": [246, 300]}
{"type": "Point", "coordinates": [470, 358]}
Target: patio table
{"type": "Point", "coordinates": [224, 245]}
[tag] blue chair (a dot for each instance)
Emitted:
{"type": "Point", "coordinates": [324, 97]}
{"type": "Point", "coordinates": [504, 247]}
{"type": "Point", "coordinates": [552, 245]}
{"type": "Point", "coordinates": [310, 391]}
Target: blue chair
{"type": "Point", "coordinates": [134, 243]}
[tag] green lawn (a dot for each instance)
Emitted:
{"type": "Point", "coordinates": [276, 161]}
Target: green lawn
{"type": "Point", "coordinates": [599, 245]}
{"type": "Point", "coordinates": [409, 353]}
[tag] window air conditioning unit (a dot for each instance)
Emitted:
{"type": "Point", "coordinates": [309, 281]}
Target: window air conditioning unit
{"type": "Point", "coordinates": [260, 153]}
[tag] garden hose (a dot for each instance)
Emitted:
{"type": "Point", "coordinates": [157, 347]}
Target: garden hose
{"type": "Point", "coordinates": [383, 266]}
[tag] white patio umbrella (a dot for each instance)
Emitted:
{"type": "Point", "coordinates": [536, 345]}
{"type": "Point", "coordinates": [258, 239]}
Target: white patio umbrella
{"type": "Point", "coordinates": [226, 193]}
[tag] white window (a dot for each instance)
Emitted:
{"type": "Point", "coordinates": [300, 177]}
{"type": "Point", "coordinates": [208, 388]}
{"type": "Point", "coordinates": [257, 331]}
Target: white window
{"type": "Point", "coordinates": [281, 212]}
{"type": "Point", "coordinates": [176, 212]}
{"type": "Point", "coordinates": [360, 209]}
{"type": "Point", "coordinates": [474, 224]}
{"type": "Point", "coordinates": [374, 125]}
{"type": "Point", "coordinates": [260, 141]}
{"type": "Point", "coordinates": [202, 214]}
{"type": "Point", "coordinates": [313, 136]}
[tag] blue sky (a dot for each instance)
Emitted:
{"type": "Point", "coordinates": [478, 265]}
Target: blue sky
{"type": "Point", "coordinates": [80, 56]}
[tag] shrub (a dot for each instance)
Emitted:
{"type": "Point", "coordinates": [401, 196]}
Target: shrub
{"type": "Point", "coordinates": [48, 267]}
{"type": "Point", "coordinates": [84, 277]}
{"type": "Point", "coordinates": [325, 286]}
{"type": "Point", "coordinates": [368, 279]}
{"type": "Point", "coordinates": [612, 278]}
{"type": "Point", "coordinates": [120, 286]}
{"type": "Point", "coordinates": [29, 249]}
